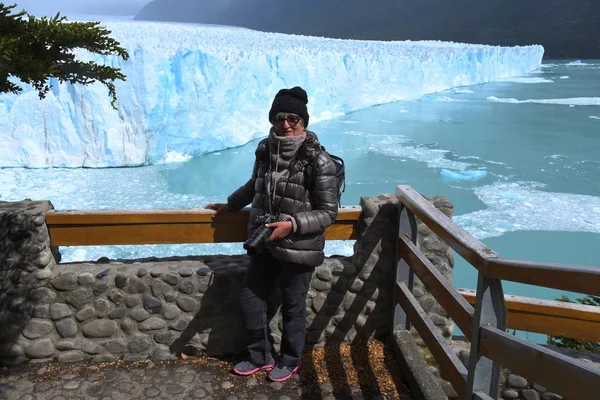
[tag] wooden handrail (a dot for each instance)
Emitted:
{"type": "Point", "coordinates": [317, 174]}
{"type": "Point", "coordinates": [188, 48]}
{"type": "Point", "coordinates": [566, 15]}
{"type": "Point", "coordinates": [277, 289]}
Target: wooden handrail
{"type": "Point", "coordinates": [575, 278]}
{"type": "Point", "coordinates": [570, 377]}
{"type": "Point", "coordinates": [168, 226]}
{"type": "Point", "coordinates": [549, 317]}
{"type": "Point", "coordinates": [460, 240]}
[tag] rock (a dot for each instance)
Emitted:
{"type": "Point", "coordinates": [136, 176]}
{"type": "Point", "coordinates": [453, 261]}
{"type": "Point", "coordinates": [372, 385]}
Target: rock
{"type": "Point", "coordinates": [66, 327]}
{"type": "Point", "coordinates": [142, 272]}
{"type": "Point", "coordinates": [516, 381]}
{"type": "Point", "coordinates": [86, 279]}
{"type": "Point", "coordinates": [70, 357]}
{"type": "Point", "coordinates": [64, 282]}
{"type": "Point", "coordinates": [464, 356]}
{"type": "Point", "coordinates": [39, 310]}
{"type": "Point", "coordinates": [324, 273]}
{"type": "Point", "coordinates": [152, 324]}
{"type": "Point", "coordinates": [181, 323]}
{"type": "Point", "coordinates": [530, 394]}
{"type": "Point", "coordinates": [186, 303]}
{"type": "Point", "coordinates": [171, 296]}
{"type": "Point", "coordinates": [103, 307]}
{"type": "Point", "coordinates": [66, 344]}
{"type": "Point", "coordinates": [136, 286]}
{"type": "Point", "coordinates": [42, 295]}
{"type": "Point", "coordinates": [152, 304]}
{"type": "Point", "coordinates": [162, 352]}
{"type": "Point", "coordinates": [128, 326]}
{"type": "Point", "coordinates": [539, 388]}
{"type": "Point", "coordinates": [36, 328]}
{"type": "Point", "coordinates": [155, 273]}
{"type": "Point", "coordinates": [10, 350]}
{"type": "Point", "coordinates": [133, 301]}
{"type": "Point", "coordinates": [171, 311]}
{"type": "Point", "coordinates": [120, 281]}
{"type": "Point", "coordinates": [85, 313]}
{"type": "Point", "coordinates": [186, 287]}
{"type": "Point", "coordinates": [117, 346]}
{"type": "Point", "coordinates": [510, 394]}
{"type": "Point", "coordinates": [117, 313]}
{"type": "Point", "coordinates": [80, 297]}
{"type": "Point", "coordinates": [100, 287]}
{"type": "Point", "coordinates": [167, 337]}
{"type": "Point", "coordinates": [151, 392]}
{"type": "Point", "coordinates": [116, 296]}
{"type": "Point", "coordinates": [171, 279]}
{"type": "Point", "coordinates": [319, 301]}
{"type": "Point", "coordinates": [551, 396]}
{"type": "Point", "coordinates": [43, 274]}
{"type": "Point", "coordinates": [139, 314]}
{"type": "Point", "coordinates": [59, 310]}
{"type": "Point", "coordinates": [139, 343]}
{"type": "Point", "coordinates": [41, 348]}
{"type": "Point", "coordinates": [89, 347]}
{"type": "Point", "coordinates": [99, 329]}
{"type": "Point", "coordinates": [186, 272]}
{"type": "Point", "coordinates": [320, 285]}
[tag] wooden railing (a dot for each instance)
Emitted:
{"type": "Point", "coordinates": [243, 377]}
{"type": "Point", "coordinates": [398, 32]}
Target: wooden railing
{"type": "Point", "coordinates": [483, 315]}
{"type": "Point", "coordinates": [167, 226]}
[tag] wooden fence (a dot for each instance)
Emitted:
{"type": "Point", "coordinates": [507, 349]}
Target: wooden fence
{"type": "Point", "coordinates": [482, 315]}
{"type": "Point", "coordinates": [485, 323]}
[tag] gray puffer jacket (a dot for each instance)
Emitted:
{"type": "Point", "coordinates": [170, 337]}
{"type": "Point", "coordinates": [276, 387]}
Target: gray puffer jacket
{"type": "Point", "coordinates": [313, 205]}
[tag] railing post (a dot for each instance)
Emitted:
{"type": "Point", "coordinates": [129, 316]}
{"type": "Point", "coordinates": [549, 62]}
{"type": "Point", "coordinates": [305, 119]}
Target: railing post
{"type": "Point", "coordinates": [407, 226]}
{"type": "Point", "coordinates": [490, 310]}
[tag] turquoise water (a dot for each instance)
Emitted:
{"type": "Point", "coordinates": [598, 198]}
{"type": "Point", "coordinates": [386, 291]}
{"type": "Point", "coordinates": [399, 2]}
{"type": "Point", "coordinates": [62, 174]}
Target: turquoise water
{"type": "Point", "coordinates": [532, 142]}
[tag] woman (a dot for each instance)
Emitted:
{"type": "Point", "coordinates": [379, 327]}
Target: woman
{"type": "Point", "coordinates": [303, 205]}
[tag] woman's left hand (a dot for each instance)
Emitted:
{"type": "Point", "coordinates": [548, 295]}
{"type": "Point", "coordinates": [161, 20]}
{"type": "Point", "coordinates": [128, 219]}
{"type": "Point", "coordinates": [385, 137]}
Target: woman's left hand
{"type": "Point", "coordinates": [282, 230]}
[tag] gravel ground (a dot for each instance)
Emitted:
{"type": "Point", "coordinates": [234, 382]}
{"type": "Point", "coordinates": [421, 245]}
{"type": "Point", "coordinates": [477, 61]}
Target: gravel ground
{"type": "Point", "coordinates": [364, 371]}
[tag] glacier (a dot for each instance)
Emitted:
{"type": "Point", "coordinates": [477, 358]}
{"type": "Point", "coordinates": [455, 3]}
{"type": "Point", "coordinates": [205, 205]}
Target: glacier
{"type": "Point", "coordinates": [193, 89]}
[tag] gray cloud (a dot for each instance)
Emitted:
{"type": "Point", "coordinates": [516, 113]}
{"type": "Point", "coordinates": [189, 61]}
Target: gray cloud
{"type": "Point", "coordinates": [73, 7]}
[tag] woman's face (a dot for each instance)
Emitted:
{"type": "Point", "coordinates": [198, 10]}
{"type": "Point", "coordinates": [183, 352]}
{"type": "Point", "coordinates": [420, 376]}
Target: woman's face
{"type": "Point", "coordinates": [288, 124]}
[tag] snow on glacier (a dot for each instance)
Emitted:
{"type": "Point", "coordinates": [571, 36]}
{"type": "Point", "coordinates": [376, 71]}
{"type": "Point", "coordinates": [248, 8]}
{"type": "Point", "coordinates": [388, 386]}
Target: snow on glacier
{"type": "Point", "coordinates": [193, 89]}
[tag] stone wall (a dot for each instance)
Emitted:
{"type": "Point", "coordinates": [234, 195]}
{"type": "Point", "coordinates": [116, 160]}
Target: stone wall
{"type": "Point", "coordinates": [157, 308]}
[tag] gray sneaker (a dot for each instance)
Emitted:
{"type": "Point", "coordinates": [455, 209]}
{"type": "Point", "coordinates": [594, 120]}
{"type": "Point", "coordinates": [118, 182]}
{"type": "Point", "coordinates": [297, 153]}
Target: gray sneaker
{"type": "Point", "coordinates": [282, 372]}
{"type": "Point", "coordinates": [246, 367]}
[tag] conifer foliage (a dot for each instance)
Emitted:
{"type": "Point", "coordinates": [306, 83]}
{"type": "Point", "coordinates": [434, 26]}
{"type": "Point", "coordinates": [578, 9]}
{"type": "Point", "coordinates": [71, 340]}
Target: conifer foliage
{"type": "Point", "coordinates": [34, 50]}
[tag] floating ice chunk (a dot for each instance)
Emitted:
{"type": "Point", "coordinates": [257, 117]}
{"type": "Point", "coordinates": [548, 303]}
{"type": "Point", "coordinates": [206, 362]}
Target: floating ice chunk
{"type": "Point", "coordinates": [564, 77]}
{"type": "Point", "coordinates": [578, 62]}
{"type": "Point", "coordinates": [462, 91]}
{"type": "Point", "coordinates": [575, 101]}
{"type": "Point", "coordinates": [524, 206]}
{"type": "Point", "coordinates": [594, 117]}
{"type": "Point", "coordinates": [473, 175]}
{"type": "Point", "coordinates": [175, 157]}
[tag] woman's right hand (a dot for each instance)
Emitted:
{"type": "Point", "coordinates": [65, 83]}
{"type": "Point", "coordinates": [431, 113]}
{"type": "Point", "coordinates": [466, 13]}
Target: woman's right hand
{"type": "Point", "coordinates": [220, 208]}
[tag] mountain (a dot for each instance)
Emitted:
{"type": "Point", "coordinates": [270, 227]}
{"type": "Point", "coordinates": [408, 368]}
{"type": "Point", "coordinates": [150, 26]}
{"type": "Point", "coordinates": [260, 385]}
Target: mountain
{"type": "Point", "coordinates": [566, 28]}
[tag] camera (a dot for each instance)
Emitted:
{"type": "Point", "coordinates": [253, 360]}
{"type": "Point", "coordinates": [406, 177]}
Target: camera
{"type": "Point", "coordinates": [256, 242]}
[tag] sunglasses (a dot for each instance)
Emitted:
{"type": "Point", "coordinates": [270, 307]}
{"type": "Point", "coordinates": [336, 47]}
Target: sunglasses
{"type": "Point", "coordinates": [280, 118]}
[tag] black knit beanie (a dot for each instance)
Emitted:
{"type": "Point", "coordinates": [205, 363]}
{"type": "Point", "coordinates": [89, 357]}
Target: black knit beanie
{"type": "Point", "coordinates": [293, 101]}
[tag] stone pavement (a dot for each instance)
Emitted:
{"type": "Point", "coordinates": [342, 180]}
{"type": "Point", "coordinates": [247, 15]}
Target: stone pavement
{"type": "Point", "coordinates": [365, 371]}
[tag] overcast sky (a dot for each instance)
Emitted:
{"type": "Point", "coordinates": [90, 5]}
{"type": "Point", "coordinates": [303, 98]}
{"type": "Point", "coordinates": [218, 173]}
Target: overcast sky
{"type": "Point", "coordinates": [66, 7]}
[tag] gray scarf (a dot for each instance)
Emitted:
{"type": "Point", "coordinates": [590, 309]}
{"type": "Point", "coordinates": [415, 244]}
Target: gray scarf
{"type": "Point", "coordinates": [282, 151]}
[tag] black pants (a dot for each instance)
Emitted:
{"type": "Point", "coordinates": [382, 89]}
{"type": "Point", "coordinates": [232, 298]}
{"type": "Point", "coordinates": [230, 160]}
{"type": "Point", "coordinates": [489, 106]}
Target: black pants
{"type": "Point", "coordinates": [294, 280]}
